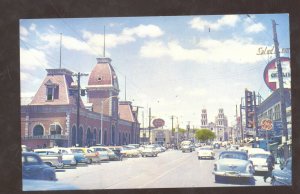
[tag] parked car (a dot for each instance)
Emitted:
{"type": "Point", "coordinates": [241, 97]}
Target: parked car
{"type": "Point", "coordinates": [91, 155]}
{"type": "Point", "coordinates": [149, 150]}
{"type": "Point", "coordinates": [78, 155]}
{"type": "Point", "coordinates": [50, 158]}
{"type": "Point", "coordinates": [284, 175]}
{"type": "Point", "coordinates": [259, 161]}
{"type": "Point", "coordinates": [233, 164]}
{"type": "Point", "coordinates": [102, 151]}
{"type": "Point", "coordinates": [251, 151]}
{"type": "Point", "coordinates": [34, 168]}
{"type": "Point", "coordinates": [67, 159]}
{"type": "Point", "coordinates": [117, 151]}
{"type": "Point", "coordinates": [129, 152]}
{"type": "Point", "coordinates": [206, 152]}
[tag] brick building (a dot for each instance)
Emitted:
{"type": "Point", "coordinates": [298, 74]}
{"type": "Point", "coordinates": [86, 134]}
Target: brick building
{"type": "Point", "coordinates": [51, 116]}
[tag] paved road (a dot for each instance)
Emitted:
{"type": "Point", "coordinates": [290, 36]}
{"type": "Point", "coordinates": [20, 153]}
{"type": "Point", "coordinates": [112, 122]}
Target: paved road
{"type": "Point", "coordinates": [171, 169]}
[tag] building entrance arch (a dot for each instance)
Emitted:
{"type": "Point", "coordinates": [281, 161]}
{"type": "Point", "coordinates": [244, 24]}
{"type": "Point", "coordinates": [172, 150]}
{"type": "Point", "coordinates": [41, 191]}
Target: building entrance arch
{"type": "Point", "coordinates": [73, 135]}
{"type": "Point", "coordinates": [38, 130]}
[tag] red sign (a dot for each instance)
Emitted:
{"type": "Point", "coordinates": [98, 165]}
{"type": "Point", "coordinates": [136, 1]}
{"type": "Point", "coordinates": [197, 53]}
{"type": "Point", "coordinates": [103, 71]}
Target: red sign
{"type": "Point", "coordinates": [271, 74]}
{"type": "Point", "coordinates": [266, 124]}
{"type": "Point", "coordinates": [158, 123]}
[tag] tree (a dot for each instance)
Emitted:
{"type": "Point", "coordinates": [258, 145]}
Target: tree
{"type": "Point", "coordinates": [205, 134]}
{"type": "Point", "coordinates": [180, 130]}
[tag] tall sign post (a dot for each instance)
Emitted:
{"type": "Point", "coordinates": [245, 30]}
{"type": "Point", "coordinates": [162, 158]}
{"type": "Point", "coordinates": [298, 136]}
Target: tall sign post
{"type": "Point", "coordinates": [281, 91]}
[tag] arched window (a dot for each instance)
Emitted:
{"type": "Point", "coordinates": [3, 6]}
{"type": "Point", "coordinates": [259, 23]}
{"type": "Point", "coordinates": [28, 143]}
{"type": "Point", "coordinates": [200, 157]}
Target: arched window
{"type": "Point", "coordinates": [100, 136]}
{"type": "Point", "coordinates": [80, 136]}
{"type": "Point", "coordinates": [55, 129]}
{"type": "Point", "coordinates": [38, 130]}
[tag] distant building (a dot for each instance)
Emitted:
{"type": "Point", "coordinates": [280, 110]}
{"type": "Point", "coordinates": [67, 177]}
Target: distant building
{"type": "Point", "coordinates": [221, 124]}
{"type": "Point", "coordinates": [51, 117]}
{"type": "Point", "coordinates": [204, 122]}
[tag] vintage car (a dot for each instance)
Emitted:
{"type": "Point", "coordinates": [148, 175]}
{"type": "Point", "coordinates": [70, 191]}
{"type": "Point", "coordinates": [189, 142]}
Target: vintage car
{"type": "Point", "coordinates": [149, 150]}
{"type": "Point", "coordinates": [117, 153]}
{"type": "Point", "coordinates": [50, 158]}
{"type": "Point", "coordinates": [129, 152]}
{"type": "Point", "coordinates": [67, 159]}
{"type": "Point", "coordinates": [102, 152]}
{"type": "Point", "coordinates": [186, 148]}
{"type": "Point", "coordinates": [34, 168]}
{"type": "Point", "coordinates": [259, 161]}
{"type": "Point", "coordinates": [233, 164]}
{"type": "Point", "coordinates": [284, 175]}
{"type": "Point", "coordinates": [233, 147]}
{"type": "Point", "coordinates": [206, 152]}
{"type": "Point", "coordinates": [78, 155]}
{"type": "Point", "coordinates": [251, 151]}
{"type": "Point", "coordinates": [92, 156]}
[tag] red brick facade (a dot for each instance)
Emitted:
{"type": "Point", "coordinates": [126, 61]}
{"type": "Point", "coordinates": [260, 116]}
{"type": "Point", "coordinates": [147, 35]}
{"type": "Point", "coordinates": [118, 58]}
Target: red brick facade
{"type": "Point", "coordinates": [51, 118]}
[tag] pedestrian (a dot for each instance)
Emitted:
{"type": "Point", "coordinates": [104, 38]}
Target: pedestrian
{"type": "Point", "coordinates": [270, 163]}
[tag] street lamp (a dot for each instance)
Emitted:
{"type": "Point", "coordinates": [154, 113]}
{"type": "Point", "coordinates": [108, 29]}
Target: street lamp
{"type": "Point", "coordinates": [101, 118]}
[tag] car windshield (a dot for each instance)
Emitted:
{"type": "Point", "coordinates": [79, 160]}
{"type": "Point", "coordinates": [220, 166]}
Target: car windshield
{"type": "Point", "coordinates": [232, 155]}
{"type": "Point", "coordinates": [264, 156]}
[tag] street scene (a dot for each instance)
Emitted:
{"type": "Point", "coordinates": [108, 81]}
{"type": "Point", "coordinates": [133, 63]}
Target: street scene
{"type": "Point", "coordinates": [156, 102]}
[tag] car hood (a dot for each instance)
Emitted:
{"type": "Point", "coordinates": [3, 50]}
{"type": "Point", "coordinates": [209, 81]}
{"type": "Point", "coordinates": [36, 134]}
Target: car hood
{"type": "Point", "coordinates": [232, 165]}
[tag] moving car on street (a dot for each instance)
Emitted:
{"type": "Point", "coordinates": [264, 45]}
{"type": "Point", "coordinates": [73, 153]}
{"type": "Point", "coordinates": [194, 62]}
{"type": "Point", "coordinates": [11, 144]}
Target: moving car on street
{"type": "Point", "coordinates": [206, 152]}
{"type": "Point", "coordinates": [233, 164]}
{"type": "Point", "coordinates": [34, 168]}
{"type": "Point", "coordinates": [283, 176]}
{"type": "Point", "coordinates": [259, 161]}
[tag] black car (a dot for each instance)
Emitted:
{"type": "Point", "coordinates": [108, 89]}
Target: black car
{"type": "Point", "coordinates": [34, 168]}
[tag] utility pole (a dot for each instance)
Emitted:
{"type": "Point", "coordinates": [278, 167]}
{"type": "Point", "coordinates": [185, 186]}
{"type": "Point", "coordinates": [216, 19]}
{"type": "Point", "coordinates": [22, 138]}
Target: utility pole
{"type": "Point", "coordinates": [237, 123]}
{"type": "Point", "coordinates": [78, 75]}
{"type": "Point", "coordinates": [281, 91]}
{"type": "Point", "coordinates": [149, 123]}
{"type": "Point", "coordinates": [172, 117]}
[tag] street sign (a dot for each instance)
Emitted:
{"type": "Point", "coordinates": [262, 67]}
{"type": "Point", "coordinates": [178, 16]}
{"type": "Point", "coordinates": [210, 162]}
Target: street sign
{"type": "Point", "coordinates": [271, 77]}
{"type": "Point", "coordinates": [266, 124]}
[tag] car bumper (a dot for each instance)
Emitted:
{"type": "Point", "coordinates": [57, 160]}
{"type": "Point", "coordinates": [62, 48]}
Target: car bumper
{"type": "Point", "coordinates": [260, 168]}
{"type": "Point", "coordinates": [233, 174]}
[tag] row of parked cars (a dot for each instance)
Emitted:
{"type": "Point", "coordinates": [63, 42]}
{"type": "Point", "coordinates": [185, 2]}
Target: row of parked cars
{"type": "Point", "coordinates": [41, 163]}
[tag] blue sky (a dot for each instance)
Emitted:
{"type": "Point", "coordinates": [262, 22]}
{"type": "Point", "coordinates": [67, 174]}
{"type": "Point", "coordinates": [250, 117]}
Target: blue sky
{"type": "Point", "coordinates": [176, 65]}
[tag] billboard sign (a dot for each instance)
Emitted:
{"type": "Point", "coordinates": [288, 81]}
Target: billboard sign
{"type": "Point", "coordinates": [271, 74]}
{"type": "Point", "coordinates": [158, 123]}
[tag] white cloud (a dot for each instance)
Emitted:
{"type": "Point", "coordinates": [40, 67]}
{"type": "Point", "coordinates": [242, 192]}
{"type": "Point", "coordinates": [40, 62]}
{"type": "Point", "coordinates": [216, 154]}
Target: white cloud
{"type": "Point", "coordinates": [32, 59]}
{"type": "Point", "coordinates": [227, 20]}
{"type": "Point", "coordinates": [237, 51]}
{"type": "Point", "coordinates": [23, 32]}
{"type": "Point", "coordinates": [32, 27]}
{"type": "Point", "coordinates": [255, 28]}
{"type": "Point", "coordinates": [144, 31]}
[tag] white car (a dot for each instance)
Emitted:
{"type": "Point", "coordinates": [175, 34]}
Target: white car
{"type": "Point", "coordinates": [259, 161]}
{"type": "Point", "coordinates": [149, 151]}
{"type": "Point", "coordinates": [206, 152]}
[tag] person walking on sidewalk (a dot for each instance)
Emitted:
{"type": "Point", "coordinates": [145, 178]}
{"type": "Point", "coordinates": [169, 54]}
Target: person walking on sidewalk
{"type": "Point", "coordinates": [270, 163]}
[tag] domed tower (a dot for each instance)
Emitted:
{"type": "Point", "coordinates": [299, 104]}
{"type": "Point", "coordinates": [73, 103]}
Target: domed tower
{"type": "Point", "coordinates": [103, 88]}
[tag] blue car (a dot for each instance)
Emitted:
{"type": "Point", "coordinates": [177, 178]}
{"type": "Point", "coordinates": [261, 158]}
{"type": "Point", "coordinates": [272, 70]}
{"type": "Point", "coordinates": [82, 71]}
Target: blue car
{"type": "Point", "coordinates": [34, 168]}
{"type": "Point", "coordinates": [283, 176]}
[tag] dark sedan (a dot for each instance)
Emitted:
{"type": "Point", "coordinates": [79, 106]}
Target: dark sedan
{"type": "Point", "coordinates": [283, 176]}
{"type": "Point", "coordinates": [34, 168]}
